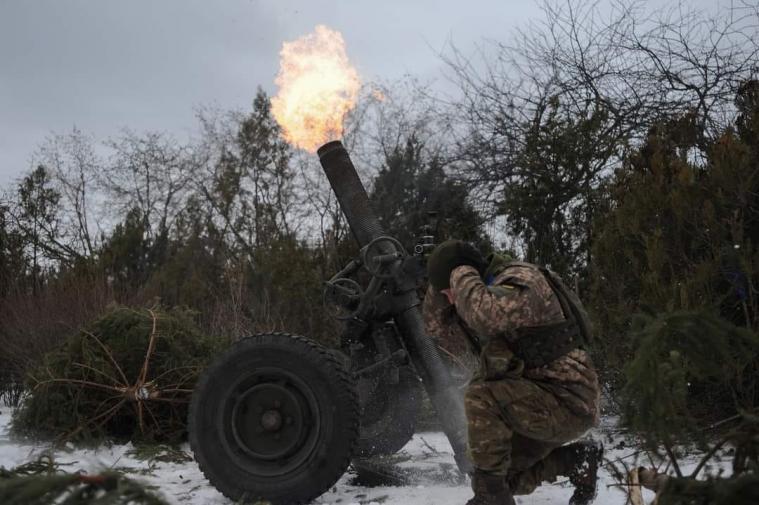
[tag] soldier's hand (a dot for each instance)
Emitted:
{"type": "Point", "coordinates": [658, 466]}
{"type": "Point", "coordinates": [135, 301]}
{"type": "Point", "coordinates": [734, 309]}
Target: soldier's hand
{"type": "Point", "coordinates": [449, 255]}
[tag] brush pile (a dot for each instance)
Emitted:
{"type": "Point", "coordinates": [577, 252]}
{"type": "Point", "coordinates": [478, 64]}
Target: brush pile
{"type": "Point", "coordinates": [128, 376]}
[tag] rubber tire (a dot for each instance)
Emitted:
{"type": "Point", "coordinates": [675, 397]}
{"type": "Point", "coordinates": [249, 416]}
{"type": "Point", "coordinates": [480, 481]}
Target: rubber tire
{"type": "Point", "coordinates": [401, 409]}
{"type": "Point", "coordinates": [332, 386]}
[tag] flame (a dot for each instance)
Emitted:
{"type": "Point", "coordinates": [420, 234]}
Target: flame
{"type": "Point", "coordinates": [317, 88]}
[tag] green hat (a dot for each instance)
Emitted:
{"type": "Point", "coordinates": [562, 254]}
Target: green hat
{"type": "Point", "coordinates": [496, 263]}
{"type": "Point", "coordinates": [449, 255]}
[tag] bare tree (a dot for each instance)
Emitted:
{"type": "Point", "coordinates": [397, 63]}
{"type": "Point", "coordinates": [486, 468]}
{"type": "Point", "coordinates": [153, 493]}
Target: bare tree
{"type": "Point", "coordinates": [73, 164]}
{"type": "Point", "coordinates": [150, 172]}
{"type": "Point", "coordinates": [598, 77]}
{"type": "Point", "coordinates": [245, 175]}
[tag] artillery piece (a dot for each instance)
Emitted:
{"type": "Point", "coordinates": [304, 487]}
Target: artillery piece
{"type": "Point", "coordinates": [280, 417]}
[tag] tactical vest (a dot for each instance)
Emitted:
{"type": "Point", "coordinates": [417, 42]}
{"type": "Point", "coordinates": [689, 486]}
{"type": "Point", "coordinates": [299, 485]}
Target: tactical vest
{"type": "Point", "coordinates": [542, 344]}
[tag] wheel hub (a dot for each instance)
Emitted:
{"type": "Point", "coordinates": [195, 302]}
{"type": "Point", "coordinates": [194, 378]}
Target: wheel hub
{"type": "Point", "coordinates": [271, 420]}
{"type": "Point", "coordinates": [260, 421]}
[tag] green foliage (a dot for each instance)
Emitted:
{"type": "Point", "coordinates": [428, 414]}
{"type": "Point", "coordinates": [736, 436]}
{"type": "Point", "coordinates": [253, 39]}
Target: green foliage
{"type": "Point", "coordinates": [194, 269]}
{"type": "Point", "coordinates": [13, 260]}
{"type": "Point", "coordinates": [127, 375]}
{"type": "Point", "coordinates": [675, 233]}
{"type": "Point", "coordinates": [39, 201]}
{"type": "Point", "coordinates": [741, 490]}
{"type": "Point", "coordinates": [36, 219]}
{"type": "Point", "coordinates": [410, 185]}
{"type": "Point", "coordinates": [549, 199]}
{"type": "Point", "coordinates": [41, 482]}
{"type": "Point", "coordinates": [251, 190]}
{"type": "Point", "coordinates": [688, 366]}
{"type": "Point", "coordinates": [286, 286]}
{"type": "Point", "coordinates": [129, 255]}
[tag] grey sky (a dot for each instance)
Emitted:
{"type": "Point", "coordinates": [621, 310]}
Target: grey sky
{"type": "Point", "coordinates": [102, 65]}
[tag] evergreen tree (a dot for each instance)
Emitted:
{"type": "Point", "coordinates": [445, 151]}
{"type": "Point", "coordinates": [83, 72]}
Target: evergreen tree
{"type": "Point", "coordinates": [410, 185]}
{"type": "Point", "coordinates": [126, 254]}
{"type": "Point", "coordinates": [13, 260]}
{"type": "Point", "coordinates": [550, 198]}
{"type": "Point", "coordinates": [677, 233]}
{"type": "Point", "coordinates": [250, 188]}
{"type": "Point", "coordinates": [36, 217]}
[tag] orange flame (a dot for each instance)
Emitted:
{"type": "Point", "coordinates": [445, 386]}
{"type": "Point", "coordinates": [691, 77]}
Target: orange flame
{"type": "Point", "coordinates": [317, 88]}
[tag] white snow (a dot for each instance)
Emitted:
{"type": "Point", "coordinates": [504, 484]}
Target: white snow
{"type": "Point", "coordinates": [429, 453]}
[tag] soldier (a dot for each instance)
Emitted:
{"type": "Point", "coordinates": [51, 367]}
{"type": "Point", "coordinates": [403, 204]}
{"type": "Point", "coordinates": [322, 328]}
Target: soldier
{"type": "Point", "coordinates": [534, 389]}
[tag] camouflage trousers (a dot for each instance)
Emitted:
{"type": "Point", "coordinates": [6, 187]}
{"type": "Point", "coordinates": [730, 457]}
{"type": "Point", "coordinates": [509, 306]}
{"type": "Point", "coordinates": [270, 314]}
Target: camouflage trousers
{"type": "Point", "coordinates": [516, 429]}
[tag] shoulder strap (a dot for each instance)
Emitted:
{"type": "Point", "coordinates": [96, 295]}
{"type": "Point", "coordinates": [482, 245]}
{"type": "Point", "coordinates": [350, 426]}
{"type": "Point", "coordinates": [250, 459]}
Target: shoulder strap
{"type": "Point", "coordinates": [570, 303]}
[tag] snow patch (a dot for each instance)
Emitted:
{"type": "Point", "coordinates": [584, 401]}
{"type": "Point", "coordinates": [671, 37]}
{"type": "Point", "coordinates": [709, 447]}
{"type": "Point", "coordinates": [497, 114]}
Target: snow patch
{"type": "Point", "coordinates": [429, 453]}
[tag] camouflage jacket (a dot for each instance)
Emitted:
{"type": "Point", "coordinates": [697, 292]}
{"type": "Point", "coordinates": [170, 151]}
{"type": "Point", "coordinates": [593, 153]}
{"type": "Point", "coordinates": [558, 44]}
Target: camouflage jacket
{"type": "Point", "coordinates": [517, 297]}
{"type": "Point", "coordinates": [443, 323]}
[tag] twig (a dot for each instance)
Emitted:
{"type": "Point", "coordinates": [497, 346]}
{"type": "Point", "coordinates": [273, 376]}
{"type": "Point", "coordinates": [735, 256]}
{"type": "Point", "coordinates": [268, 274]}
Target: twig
{"type": "Point", "coordinates": [673, 460]}
{"type": "Point", "coordinates": [110, 411]}
{"type": "Point", "coordinates": [632, 454]}
{"type": "Point", "coordinates": [155, 420]}
{"type": "Point", "coordinates": [83, 383]}
{"type": "Point", "coordinates": [195, 369]}
{"type": "Point", "coordinates": [100, 372]}
{"type": "Point", "coordinates": [707, 457]}
{"type": "Point", "coordinates": [109, 355]}
{"type": "Point", "coordinates": [149, 352]}
{"type": "Point", "coordinates": [428, 446]}
{"type": "Point", "coordinates": [724, 421]}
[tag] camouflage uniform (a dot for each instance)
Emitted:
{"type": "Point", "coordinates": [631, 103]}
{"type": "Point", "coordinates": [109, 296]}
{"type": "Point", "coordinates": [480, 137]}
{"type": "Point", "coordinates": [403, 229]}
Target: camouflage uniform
{"type": "Point", "coordinates": [518, 418]}
{"type": "Point", "coordinates": [442, 323]}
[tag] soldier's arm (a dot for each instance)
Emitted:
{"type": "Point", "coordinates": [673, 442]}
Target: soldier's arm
{"type": "Point", "coordinates": [434, 306]}
{"type": "Point", "coordinates": [489, 311]}
{"type": "Point", "coordinates": [433, 312]}
{"type": "Point", "coordinates": [441, 323]}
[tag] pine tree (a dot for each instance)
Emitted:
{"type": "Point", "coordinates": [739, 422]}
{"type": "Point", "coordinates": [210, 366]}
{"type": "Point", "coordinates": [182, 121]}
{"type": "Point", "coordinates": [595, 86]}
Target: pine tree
{"type": "Point", "coordinates": [412, 184]}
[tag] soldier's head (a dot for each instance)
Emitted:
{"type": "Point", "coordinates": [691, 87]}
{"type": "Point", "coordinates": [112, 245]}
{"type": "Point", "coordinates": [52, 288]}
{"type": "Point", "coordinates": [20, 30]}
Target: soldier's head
{"type": "Point", "coordinates": [449, 255]}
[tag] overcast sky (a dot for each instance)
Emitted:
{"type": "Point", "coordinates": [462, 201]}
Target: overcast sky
{"type": "Point", "coordinates": [102, 65]}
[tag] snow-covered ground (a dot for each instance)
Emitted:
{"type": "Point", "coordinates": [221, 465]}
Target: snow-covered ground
{"type": "Point", "coordinates": [428, 454]}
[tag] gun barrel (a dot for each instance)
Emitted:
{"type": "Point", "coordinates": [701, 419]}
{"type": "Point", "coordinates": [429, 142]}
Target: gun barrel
{"type": "Point", "coordinates": [423, 351]}
{"type": "Point", "coordinates": [350, 192]}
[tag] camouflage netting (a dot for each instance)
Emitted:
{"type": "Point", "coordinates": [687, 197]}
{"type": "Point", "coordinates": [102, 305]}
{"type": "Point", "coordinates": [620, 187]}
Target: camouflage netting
{"type": "Point", "coordinates": [129, 375]}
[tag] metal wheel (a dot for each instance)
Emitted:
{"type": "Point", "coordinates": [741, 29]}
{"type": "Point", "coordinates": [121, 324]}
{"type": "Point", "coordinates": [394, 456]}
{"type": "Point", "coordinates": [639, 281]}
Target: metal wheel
{"type": "Point", "coordinates": [274, 418]}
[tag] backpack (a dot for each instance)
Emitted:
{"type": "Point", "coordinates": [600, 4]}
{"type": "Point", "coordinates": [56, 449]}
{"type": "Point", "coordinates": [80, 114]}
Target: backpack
{"type": "Point", "coordinates": [539, 345]}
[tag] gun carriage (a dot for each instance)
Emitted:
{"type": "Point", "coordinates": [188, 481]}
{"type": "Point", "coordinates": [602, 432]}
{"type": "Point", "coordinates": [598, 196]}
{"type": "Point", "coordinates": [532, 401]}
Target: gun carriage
{"type": "Point", "coordinates": [280, 417]}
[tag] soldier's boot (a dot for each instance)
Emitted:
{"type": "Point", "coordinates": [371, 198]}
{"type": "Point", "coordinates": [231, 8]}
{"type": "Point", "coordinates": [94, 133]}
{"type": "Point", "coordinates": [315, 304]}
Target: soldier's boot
{"type": "Point", "coordinates": [490, 490]}
{"type": "Point", "coordinates": [584, 458]}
